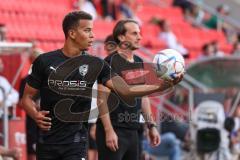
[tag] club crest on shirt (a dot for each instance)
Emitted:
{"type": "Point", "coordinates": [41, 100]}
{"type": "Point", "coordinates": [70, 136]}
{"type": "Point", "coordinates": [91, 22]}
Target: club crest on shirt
{"type": "Point", "coordinates": [83, 69]}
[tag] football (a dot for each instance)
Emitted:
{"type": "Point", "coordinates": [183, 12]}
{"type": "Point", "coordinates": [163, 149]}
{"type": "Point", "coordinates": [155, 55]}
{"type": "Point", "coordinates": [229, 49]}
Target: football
{"type": "Point", "coordinates": [169, 64]}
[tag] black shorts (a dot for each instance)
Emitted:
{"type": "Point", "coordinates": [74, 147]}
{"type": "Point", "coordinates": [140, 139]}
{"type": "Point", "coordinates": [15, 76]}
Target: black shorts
{"type": "Point", "coordinates": [73, 151]}
{"type": "Point", "coordinates": [128, 145]}
{"type": "Point", "coordinates": [31, 130]}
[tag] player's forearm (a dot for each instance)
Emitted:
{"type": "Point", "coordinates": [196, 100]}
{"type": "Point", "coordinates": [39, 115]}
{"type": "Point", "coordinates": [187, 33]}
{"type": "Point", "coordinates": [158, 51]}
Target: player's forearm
{"type": "Point", "coordinates": [102, 99]}
{"type": "Point", "coordinates": [104, 116]}
{"type": "Point", "coordinates": [106, 121]}
{"type": "Point", "coordinates": [148, 117]}
{"type": "Point", "coordinates": [147, 112]}
{"type": "Point", "coordinates": [142, 90]}
{"type": "Point", "coordinates": [29, 106]}
{"type": "Point", "coordinates": [127, 91]}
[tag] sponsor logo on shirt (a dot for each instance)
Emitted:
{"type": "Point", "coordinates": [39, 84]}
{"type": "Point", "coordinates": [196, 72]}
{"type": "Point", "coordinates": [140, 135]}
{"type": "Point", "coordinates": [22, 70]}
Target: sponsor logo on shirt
{"type": "Point", "coordinates": [67, 85]}
{"type": "Point", "coordinates": [52, 68]}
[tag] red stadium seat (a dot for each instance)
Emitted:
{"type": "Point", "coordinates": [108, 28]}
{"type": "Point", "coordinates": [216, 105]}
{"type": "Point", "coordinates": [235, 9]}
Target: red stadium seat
{"type": "Point", "coordinates": [102, 29]}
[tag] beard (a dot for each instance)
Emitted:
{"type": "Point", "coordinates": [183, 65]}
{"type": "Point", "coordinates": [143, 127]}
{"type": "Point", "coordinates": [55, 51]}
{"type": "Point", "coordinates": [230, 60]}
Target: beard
{"type": "Point", "coordinates": [134, 47]}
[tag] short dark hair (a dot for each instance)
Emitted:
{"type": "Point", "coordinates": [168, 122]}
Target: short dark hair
{"type": "Point", "coordinates": [109, 38]}
{"type": "Point", "coordinates": [205, 47]}
{"type": "Point", "coordinates": [71, 20]}
{"type": "Point", "coordinates": [120, 28]}
{"type": "Point", "coordinates": [161, 23]}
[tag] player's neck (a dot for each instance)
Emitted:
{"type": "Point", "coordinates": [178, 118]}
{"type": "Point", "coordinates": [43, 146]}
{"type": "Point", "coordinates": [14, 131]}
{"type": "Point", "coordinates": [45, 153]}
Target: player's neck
{"type": "Point", "coordinates": [127, 54]}
{"type": "Point", "coordinates": [71, 51]}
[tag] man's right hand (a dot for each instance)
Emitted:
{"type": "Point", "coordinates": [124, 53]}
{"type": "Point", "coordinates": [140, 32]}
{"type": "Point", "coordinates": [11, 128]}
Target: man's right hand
{"type": "Point", "coordinates": [42, 120]}
{"type": "Point", "coordinates": [111, 140]}
{"type": "Point", "coordinates": [168, 84]}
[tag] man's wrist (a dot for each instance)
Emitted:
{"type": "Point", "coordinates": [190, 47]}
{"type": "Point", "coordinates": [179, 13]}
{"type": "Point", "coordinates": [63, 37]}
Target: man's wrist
{"type": "Point", "coordinates": [34, 115]}
{"type": "Point", "coordinates": [151, 125]}
{"type": "Point", "coordinates": [108, 129]}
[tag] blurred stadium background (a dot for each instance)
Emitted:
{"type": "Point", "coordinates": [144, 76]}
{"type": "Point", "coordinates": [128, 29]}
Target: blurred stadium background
{"type": "Point", "coordinates": [207, 30]}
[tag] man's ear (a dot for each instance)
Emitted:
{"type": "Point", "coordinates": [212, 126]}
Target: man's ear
{"type": "Point", "coordinates": [72, 33]}
{"type": "Point", "coordinates": [121, 38]}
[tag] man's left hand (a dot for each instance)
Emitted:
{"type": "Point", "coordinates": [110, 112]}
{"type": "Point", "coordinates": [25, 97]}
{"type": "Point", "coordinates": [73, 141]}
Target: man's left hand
{"type": "Point", "coordinates": [154, 137]}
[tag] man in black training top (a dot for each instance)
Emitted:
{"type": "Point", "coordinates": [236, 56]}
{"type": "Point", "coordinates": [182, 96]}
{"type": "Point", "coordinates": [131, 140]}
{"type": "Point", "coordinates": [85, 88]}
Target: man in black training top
{"type": "Point", "coordinates": [64, 78]}
{"type": "Point", "coordinates": [121, 141]}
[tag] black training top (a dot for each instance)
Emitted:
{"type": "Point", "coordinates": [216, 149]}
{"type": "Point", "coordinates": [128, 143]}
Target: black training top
{"type": "Point", "coordinates": [124, 115]}
{"type": "Point", "coordinates": [65, 86]}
